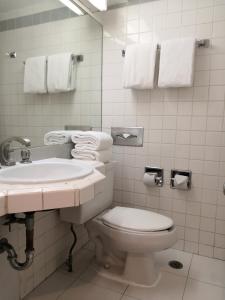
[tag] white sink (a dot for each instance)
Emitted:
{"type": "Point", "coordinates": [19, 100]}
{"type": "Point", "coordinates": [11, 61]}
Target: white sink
{"type": "Point", "coordinates": [44, 172]}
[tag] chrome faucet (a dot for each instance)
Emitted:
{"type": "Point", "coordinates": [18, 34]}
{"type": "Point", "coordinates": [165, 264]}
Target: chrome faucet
{"type": "Point", "coordinates": [6, 150]}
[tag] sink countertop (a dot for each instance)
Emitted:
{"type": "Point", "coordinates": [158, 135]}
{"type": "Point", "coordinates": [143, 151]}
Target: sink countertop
{"type": "Point", "coordinates": [16, 198]}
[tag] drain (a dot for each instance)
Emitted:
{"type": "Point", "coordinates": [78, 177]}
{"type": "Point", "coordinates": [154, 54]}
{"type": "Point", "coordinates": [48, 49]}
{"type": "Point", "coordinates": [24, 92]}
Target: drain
{"type": "Point", "coordinates": [175, 264]}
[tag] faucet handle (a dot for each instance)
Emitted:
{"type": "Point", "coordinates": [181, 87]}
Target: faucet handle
{"type": "Point", "coordinates": [27, 141]}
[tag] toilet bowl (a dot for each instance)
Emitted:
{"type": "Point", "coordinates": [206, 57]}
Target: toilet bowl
{"type": "Point", "coordinates": [126, 240]}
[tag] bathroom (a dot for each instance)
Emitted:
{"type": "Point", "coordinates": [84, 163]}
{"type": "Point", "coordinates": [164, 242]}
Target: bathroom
{"type": "Point", "coordinates": [168, 131]}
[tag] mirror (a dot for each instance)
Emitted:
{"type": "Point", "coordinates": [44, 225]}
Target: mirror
{"type": "Point", "coordinates": [31, 28]}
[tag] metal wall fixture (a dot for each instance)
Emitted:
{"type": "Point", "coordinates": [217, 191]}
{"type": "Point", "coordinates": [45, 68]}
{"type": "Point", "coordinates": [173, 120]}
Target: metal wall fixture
{"type": "Point", "coordinates": [128, 136]}
{"type": "Point", "coordinates": [159, 179]}
{"type": "Point", "coordinates": [11, 54]}
{"type": "Point", "coordinates": [185, 179]}
{"type": "Point", "coordinates": [203, 43]}
{"type": "Point", "coordinates": [76, 58]}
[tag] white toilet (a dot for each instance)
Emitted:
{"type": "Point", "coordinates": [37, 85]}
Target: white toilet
{"type": "Point", "coordinates": [125, 238]}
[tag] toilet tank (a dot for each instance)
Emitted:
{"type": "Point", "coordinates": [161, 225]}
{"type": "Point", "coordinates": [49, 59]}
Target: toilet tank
{"type": "Point", "coordinates": [103, 198]}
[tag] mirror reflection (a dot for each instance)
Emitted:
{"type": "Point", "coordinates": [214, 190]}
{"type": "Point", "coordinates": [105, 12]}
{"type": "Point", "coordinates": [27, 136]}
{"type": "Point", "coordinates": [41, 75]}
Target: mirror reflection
{"type": "Point", "coordinates": [50, 69]}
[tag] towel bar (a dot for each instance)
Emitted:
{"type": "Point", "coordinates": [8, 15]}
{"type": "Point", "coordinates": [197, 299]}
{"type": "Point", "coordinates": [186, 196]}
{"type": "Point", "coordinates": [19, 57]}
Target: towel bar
{"type": "Point", "coordinates": [204, 43]}
{"type": "Point", "coordinates": [78, 58]}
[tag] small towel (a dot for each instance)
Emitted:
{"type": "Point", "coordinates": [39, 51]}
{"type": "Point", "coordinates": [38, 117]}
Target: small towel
{"type": "Point", "coordinates": [139, 66]}
{"type": "Point", "coordinates": [177, 63]}
{"type": "Point", "coordinates": [103, 155]}
{"type": "Point", "coordinates": [35, 74]}
{"type": "Point", "coordinates": [61, 73]}
{"type": "Point", "coordinates": [58, 137]}
{"type": "Point", "coordinates": [92, 140]}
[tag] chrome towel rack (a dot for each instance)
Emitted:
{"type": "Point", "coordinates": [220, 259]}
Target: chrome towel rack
{"type": "Point", "coordinates": [203, 43]}
{"type": "Point", "coordinates": [75, 58]}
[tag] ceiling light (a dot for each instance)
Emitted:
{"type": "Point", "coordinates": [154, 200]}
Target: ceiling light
{"type": "Point", "coordinates": [99, 4]}
{"type": "Point", "coordinates": [71, 5]}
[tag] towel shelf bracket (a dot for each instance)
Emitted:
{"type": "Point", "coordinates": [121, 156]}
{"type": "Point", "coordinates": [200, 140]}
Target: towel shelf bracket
{"type": "Point", "coordinates": [203, 43]}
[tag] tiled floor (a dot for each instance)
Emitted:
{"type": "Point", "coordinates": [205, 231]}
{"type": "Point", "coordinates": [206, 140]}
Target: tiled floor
{"type": "Point", "coordinates": [201, 278]}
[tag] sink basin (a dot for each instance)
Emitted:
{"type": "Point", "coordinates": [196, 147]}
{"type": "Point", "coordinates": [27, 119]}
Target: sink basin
{"type": "Point", "coordinates": [44, 172]}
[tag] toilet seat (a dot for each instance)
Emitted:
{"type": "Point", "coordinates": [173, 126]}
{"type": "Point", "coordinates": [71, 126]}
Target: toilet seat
{"type": "Point", "coordinates": [136, 220]}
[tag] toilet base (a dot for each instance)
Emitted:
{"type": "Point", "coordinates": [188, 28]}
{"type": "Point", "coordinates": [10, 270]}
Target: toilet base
{"type": "Point", "coordinates": [139, 270]}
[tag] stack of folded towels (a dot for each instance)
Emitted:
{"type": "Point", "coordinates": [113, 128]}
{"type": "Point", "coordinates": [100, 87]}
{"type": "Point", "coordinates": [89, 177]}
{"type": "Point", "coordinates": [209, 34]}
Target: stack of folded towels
{"type": "Point", "coordinates": [92, 145]}
{"type": "Point", "coordinates": [58, 137]}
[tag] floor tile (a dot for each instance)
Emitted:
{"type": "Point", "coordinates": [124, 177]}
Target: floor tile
{"type": "Point", "coordinates": [128, 298]}
{"type": "Point", "coordinates": [163, 258]}
{"type": "Point", "coordinates": [170, 287]}
{"type": "Point", "coordinates": [92, 277]}
{"type": "Point", "coordinates": [86, 291]}
{"type": "Point", "coordinates": [208, 270]}
{"type": "Point", "coordinates": [51, 288]}
{"type": "Point", "coordinates": [196, 290]}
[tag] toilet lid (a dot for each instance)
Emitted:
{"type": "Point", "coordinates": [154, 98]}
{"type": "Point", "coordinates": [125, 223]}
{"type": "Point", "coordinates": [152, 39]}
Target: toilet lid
{"type": "Point", "coordinates": [136, 220]}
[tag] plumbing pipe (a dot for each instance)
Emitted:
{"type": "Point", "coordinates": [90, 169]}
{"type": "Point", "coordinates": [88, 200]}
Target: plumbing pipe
{"type": "Point", "coordinates": [12, 257]}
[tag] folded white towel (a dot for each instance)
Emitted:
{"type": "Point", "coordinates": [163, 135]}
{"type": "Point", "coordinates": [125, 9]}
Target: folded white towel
{"type": "Point", "coordinates": [35, 74]}
{"type": "Point", "coordinates": [58, 137]}
{"type": "Point", "coordinates": [92, 140]}
{"type": "Point", "coordinates": [103, 155]}
{"type": "Point", "coordinates": [61, 73]}
{"type": "Point", "coordinates": [177, 63]}
{"type": "Point", "coordinates": [139, 66]}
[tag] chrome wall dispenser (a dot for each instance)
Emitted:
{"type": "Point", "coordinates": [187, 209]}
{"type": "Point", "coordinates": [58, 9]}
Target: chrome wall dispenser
{"type": "Point", "coordinates": [153, 176]}
{"type": "Point", "coordinates": [180, 179]}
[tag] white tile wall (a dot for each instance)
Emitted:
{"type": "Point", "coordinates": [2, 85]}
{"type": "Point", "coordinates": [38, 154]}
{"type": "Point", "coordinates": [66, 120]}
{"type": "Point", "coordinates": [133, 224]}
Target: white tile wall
{"type": "Point", "coordinates": [184, 128]}
{"type": "Point", "coordinates": [34, 115]}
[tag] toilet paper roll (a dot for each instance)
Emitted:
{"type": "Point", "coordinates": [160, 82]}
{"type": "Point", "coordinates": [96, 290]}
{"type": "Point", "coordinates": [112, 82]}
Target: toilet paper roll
{"type": "Point", "coordinates": [149, 179]}
{"type": "Point", "coordinates": [180, 180]}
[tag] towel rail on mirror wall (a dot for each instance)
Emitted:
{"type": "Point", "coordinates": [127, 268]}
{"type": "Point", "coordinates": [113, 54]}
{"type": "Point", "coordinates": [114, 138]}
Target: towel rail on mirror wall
{"type": "Point", "coordinates": [203, 43]}
{"type": "Point", "coordinates": [76, 58]}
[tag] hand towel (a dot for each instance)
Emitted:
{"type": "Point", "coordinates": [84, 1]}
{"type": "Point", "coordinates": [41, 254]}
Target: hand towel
{"type": "Point", "coordinates": [35, 74]}
{"type": "Point", "coordinates": [139, 66]}
{"type": "Point", "coordinates": [177, 63]}
{"type": "Point", "coordinates": [103, 155]}
{"type": "Point", "coordinates": [92, 140]}
{"type": "Point", "coordinates": [61, 73]}
{"type": "Point", "coordinates": [58, 137]}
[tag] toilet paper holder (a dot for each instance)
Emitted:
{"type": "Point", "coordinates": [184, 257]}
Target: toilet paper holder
{"type": "Point", "coordinates": [159, 180]}
{"type": "Point", "coordinates": [186, 173]}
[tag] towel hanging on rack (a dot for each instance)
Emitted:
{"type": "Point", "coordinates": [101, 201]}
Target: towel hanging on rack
{"type": "Point", "coordinates": [61, 73]}
{"type": "Point", "coordinates": [139, 66]}
{"type": "Point", "coordinates": [35, 75]}
{"type": "Point", "coordinates": [176, 68]}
